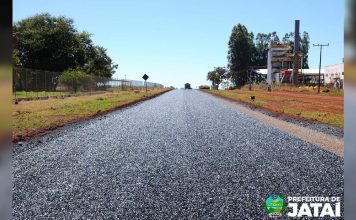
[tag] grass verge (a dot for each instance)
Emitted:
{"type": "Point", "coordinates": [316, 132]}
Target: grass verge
{"type": "Point", "coordinates": [311, 90]}
{"type": "Point", "coordinates": [23, 94]}
{"type": "Point", "coordinates": [31, 118]}
{"type": "Point", "coordinates": [322, 108]}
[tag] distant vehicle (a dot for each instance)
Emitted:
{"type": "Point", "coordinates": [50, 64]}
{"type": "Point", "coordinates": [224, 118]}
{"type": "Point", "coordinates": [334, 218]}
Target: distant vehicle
{"type": "Point", "coordinates": [187, 86]}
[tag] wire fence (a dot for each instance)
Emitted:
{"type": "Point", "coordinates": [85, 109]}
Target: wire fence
{"type": "Point", "coordinates": [40, 83]}
{"type": "Point", "coordinates": [128, 84]}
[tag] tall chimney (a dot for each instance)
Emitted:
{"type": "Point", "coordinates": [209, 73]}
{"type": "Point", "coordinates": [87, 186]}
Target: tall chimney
{"type": "Point", "coordinates": [296, 52]}
{"type": "Point", "coordinates": [296, 37]}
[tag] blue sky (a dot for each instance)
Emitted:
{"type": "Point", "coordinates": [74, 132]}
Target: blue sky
{"type": "Point", "coordinates": [178, 41]}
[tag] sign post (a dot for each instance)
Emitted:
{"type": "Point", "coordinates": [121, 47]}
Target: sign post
{"type": "Point", "coordinates": [145, 77]}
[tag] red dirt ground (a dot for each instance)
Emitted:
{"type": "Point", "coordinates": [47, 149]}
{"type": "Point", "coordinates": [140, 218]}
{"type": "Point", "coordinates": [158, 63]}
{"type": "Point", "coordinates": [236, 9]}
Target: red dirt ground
{"type": "Point", "coordinates": [331, 104]}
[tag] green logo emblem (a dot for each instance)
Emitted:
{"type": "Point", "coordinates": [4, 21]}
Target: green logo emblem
{"type": "Point", "coordinates": [275, 205]}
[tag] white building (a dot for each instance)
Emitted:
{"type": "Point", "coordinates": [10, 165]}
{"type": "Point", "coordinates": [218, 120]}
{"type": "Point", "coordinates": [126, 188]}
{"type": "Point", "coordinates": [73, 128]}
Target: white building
{"type": "Point", "coordinates": [311, 72]}
{"type": "Point", "coordinates": [262, 71]}
{"type": "Point", "coordinates": [311, 75]}
{"type": "Point", "coordinates": [334, 73]}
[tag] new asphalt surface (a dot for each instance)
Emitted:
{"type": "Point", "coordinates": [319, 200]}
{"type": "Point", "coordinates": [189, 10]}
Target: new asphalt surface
{"type": "Point", "coordinates": [182, 155]}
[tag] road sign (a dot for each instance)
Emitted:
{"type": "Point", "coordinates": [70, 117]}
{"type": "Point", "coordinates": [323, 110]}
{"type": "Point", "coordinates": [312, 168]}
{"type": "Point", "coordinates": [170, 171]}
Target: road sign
{"type": "Point", "coordinates": [145, 77]}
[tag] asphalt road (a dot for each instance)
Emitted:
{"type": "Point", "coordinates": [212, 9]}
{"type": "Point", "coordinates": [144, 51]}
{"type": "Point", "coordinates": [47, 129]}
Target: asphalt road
{"type": "Point", "coordinates": [182, 155]}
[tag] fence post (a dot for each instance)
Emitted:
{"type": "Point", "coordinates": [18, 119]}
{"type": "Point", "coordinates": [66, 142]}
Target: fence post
{"type": "Point", "coordinates": [36, 84]}
{"type": "Point", "coordinates": [45, 83]}
{"type": "Point", "coordinates": [90, 83]}
{"type": "Point", "coordinates": [14, 78]}
{"type": "Point", "coordinates": [25, 83]}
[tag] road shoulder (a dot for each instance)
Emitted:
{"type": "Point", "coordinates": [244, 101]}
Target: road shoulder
{"type": "Point", "coordinates": [317, 134]}
{"type": "Point", "coordinates": [33, 122]}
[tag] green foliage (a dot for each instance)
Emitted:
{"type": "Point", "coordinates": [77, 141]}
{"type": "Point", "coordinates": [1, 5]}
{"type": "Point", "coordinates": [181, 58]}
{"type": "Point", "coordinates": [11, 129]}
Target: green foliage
{"type": "Point", "coordinates": [289, 40]}
{"type": "Point", "coordinates": [16, 74]}
{"type": "Point", "coordinates": [44, 42]}
{"type": "Point", "coordinates": [245, 51]}
{"type": "Point", "coordinates": [204, 87]}
{"type": "Point", "coordinates": [15, 57]}
{"type": "Point", "coordinates": [261, 49]}
{"type": "Point", "coordinates": [73, 79]}
{"type": "Point", "coordinates": [216, 76]}
{"type": "Point", "coordinates": [47, 43]}
{"type": "Point", "coordinates": [305, 45]}
{"type": "Point", "coordinates": [99, 63]}
{"type": "Point", "coordinates": [241, 48]}
{"type": "Point", "coordinates": [274, 36]}
{"type": "Point", "coordinates": [24, 94]}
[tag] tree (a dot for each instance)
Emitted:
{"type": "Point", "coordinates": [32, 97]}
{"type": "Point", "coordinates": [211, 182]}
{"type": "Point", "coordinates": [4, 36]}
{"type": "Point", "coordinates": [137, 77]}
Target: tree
{"type": "Point", "coordinates": [241, 47]}
{"type": "Point", "coordinates": [73, 79]}
{"type": "Point", "coordinates": [274, 36]}
{"type": "Point", "coordinates": [261, 49]}
{"type": "Point", "coordinates": [216, 76]}
{"type": "Point", "coordinates": [16, 74]}
{"type": "Point", "coordinates": [48, 43]}
{"type": "Point", "coordinates": [305, 42]}
{"type": "Point", "coordinates": [44, 42]}
{"type": "Point", "coordinates": [99, 63]}
{"type": "Point", "coordinates": [289, 40]}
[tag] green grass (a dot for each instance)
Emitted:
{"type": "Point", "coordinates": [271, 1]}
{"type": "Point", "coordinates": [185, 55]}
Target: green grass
{"type": "Point", "coordinates": [30, 117]}
{"type": "Point", "coordinates": [23, 94]}
{"type": "Point", "coordinates": [324, 91]}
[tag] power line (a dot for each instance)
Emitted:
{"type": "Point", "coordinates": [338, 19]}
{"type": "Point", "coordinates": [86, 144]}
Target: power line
{"type": "Point", "coordinates": [321, 50]}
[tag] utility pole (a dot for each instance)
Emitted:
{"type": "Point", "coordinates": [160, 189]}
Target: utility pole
{"type": "Point", "coordinates": [321, 50]}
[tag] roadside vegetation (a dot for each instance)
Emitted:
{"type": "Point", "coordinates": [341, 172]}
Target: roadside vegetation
{"type": "Point", "coordinates": [300, 103]}
{"type": "Point", "coordinates": [52, 58]}
{"type": "Point", "coordinates": [34, 117]}
{"type": "Point", "coordinates": [312, 90]}
{"type": "Point", "coordinates": [74, 60]}
{"type": "Point", "coordinates": [25, 94]}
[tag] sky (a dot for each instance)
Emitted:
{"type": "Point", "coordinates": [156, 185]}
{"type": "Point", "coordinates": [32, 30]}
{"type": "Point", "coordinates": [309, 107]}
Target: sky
{"type": "Point", "coordinates": [179, 41]}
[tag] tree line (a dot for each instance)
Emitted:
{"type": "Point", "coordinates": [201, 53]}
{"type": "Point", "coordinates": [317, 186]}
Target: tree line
{"type": "Point", "coordinates": [245, 50]}
{"type": "Point", "coordinates": [48, 43]}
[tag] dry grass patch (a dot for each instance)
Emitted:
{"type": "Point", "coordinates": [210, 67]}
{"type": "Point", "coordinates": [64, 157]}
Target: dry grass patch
{"type": "Point", "coordinates": [322, 108]}
{"type": "Point", "coordinates": [31, 117]}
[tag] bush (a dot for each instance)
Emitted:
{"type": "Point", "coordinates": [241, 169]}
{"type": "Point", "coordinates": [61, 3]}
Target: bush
{"type": "Point", "coordinates": [73, 79]}
{"type": "Point", "coordinates": [204, 87]}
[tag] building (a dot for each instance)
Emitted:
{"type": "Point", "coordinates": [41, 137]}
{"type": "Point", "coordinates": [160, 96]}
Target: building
{"type": "Point", "coordinates": [334, 73]}
{"type": "Point", "coordinates": [308, 76]}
